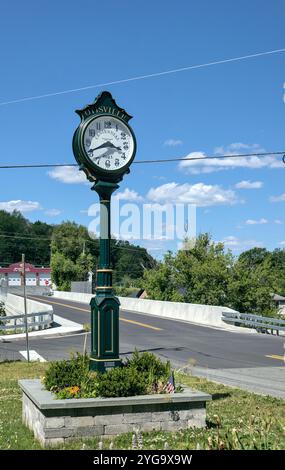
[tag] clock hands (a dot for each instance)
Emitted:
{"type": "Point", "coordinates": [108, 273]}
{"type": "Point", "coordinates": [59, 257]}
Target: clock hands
{"type": "Point", "coordinates": [107, 145]}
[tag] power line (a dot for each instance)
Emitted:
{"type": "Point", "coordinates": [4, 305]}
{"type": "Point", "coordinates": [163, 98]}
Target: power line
{"type": "Point", "coordinates": [143, 77]}
{"type": "Point", "coordinates": [24, 237]}
{"type": "Point", "coordinates": [164, 160]}
{"type": "Point", "coordinates": [183, 159]}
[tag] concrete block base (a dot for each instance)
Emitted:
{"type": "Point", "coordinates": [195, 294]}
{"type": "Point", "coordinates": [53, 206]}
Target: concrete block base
{"type": "Point", "coordinates": [54, 422]}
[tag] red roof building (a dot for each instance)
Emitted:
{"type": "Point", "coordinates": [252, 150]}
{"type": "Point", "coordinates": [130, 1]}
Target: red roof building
{"type": "Point", "coordinates": [12, 275]}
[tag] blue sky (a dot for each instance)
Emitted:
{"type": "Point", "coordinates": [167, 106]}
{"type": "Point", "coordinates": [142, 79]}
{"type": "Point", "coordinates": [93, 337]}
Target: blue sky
{"type": "Point", "coordinates": [238, 107]}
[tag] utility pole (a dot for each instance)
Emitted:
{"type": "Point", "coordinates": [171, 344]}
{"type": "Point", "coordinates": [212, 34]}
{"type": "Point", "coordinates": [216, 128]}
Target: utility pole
{"type": "Point", "coordinates": [25, 306]}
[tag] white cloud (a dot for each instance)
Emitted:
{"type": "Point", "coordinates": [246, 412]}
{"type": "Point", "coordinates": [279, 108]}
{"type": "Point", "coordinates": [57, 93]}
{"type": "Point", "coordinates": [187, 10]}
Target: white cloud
{"type": "Point", "coordinates": [235, 244]}
{"type": "Point", "coordinates": [249, 185]}
{"type": "Point", "coordinates": [256, 222]}
{"type": "Point", "coordinates": [238, 147]}
{"type": "Point", "coordinates": [280, 198]}
{"type": "Point", "coordinates": [129, 195]}
{"type": "Point", "coordinates": [21, 206]}
{"type": "Point", "coordinates": [199, 194]}
{"type": "Point", "coordinates": [52, 212]}
{"type": "Point", "coordinates": [159, 178]}
{"type": "Point", "coordinates": [210, 165]}
{"type": "Point", "coordinates": [278, 222]}
{"type": "Point", "coordinates": [173, 142]}
{"type": "Point", "coordinates": [68, 175]}
{"type": "Point", "coordinates": [282, 243]}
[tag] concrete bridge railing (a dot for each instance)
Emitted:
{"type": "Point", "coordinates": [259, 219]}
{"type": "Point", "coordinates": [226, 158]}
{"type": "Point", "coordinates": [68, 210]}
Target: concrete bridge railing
{"type": "Point", "coordinates": [39, 315]}
{"type": "Point", "coordinates": [208, 315]}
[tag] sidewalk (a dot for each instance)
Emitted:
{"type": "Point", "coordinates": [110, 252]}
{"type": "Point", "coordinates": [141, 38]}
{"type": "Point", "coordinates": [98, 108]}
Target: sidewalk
{"type": "Point", "coordinates": [62, 327]}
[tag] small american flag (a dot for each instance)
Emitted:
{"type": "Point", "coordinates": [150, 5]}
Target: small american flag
{"type": "Point", "coordinates": [170, 386]}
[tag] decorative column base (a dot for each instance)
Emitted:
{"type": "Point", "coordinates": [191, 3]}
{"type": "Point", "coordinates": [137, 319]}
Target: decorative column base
{"type": "Point", "coordinates": [104, 331]}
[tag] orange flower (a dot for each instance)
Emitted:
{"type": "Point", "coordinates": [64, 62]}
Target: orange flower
{"type": "Point", "coordinates": [74, 390]}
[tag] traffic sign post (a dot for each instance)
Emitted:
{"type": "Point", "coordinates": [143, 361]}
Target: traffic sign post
{"type": "Point", "coordinates": [104, 146]}
{"type": "Point", "coordinates": [23, 272]}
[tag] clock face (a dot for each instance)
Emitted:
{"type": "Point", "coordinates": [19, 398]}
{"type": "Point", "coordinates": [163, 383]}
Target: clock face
{"type": "Point", "coordinates": [108, 143]}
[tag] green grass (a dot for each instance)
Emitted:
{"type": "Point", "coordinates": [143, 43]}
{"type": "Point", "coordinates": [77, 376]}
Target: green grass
{"type": "Point", "coordinates": [235, 419]}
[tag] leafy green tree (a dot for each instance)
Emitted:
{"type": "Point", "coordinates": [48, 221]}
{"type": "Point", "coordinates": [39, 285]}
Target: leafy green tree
{"type": "Point", "coordinates": [71, 257]}
{"type": "Point", "coordinates": [63, 271]}
{"type": "Point", "coordinates": [206, 274]}
{"type": "Point", "coordinates": [278, 268]}
{"type": "Point", "coordinates": [254, 257]}
{"type": "Point", "coordinates": [160, 282]}
{"type": "Point", "coordinates": [252, 283]}
{"type": "Point", "coordinates": [69, 239]}
{"type": "Point", "coordinates": [18, 235]}
{"type": "Point", "coordinates": [39, 249]}
{"type": "Point", "coordinates": [203, 272]}
{"type": "Point", "coordinates": [196, 275]}
{"type": "Point", "coordinates": [129, 260]}
{"type": "Point", "coordinates": [85, 264]}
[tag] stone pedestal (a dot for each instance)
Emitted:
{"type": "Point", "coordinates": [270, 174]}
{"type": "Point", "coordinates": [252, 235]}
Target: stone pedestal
{"type": "Point", "coordinates": [56, 421]}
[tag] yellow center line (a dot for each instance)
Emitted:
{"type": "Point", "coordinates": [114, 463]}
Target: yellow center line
{"type": "Point", "coordinates": [274, 356]}
{"type": "Point", "coordinates": [144, 325]}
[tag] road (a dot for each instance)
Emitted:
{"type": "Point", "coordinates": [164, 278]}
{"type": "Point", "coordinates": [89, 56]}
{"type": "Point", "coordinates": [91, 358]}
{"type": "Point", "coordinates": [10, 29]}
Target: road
{"type": "Point", "coordinates": [250, 360]}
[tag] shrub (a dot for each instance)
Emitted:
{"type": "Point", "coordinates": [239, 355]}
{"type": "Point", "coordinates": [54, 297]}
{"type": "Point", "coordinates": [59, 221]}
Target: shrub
{"type": "Point", "coordinates": [122, 382]}
{"type": "Point", "coordinates": [141, 374]}
{"type": "Point", "coordinates": [147, 362]}
{"type": "Point", "coordinates": [89, 385]}
{"type": "Point", "coordinates": [2, 314]}
{"type": "Point", "coordinates": [2, 309]}
{"type": "Point", "coordinates": [63, 374]}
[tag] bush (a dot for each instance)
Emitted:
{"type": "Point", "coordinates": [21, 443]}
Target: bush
{"type": "Point", "coordinates": [148, 363]}
{"type": "Point", "coordinates": [122, 382]}
{"type": "Point", "coordinates": [63, 374]}
{"type": "Point", "coordinates": [2, 314]}
{"type": "Point", "coordinates": [2, 309]}
{"type": "Point", "coordinates": [141, 374]}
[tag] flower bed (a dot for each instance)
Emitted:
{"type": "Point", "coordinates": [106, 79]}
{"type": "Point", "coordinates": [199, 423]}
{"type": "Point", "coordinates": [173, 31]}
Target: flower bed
{"type": "Point", "coordinates": [141, 374]}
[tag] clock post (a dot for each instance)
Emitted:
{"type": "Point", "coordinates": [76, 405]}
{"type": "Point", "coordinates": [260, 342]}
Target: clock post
{"type": "Point", "coordinates": [105, 305]}
{"type": "Point", "coordinates": [104, 146]}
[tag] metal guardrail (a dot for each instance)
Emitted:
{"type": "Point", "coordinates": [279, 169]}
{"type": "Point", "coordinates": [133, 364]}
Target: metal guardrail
{"type": "Point", "coordinates": [262, 324]}
{"type": "Point", "coordinates": [47, 322]}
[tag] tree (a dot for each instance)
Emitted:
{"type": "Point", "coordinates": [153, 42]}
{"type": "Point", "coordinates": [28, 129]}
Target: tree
{"type": "Point", "coordinates": [278, 267]}
{"type": "Point", "coordinates": [252, 285]}
{"type": "Point", "coordinates": [63, 271]}
{"type": "Point", "coordinates": [84, 265]}
{"type": "Point", "coordinates": [39, 250]}
{"type": "Point", "coordinates": [254, 257]}
{"type": "Point", "coordinates": [130, 260]}
{"type": "Point", "coordinates": [69, 239]}
{"type": "Point", "coordinates": [71, 255]}
{"type": "Point", "coordinates": [18, 235]}
{"type": "Point", "coordinates": [206, 274]}
{"type": "Point", "coordinates": [160, 282]}
{"type": "Point", "coordinates": [196, 275]}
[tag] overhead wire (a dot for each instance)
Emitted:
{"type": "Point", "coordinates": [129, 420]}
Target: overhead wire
{"type": "Point", "coordinates": [146, 76]}
{"type": "Point", "coordinates": [164, 160]}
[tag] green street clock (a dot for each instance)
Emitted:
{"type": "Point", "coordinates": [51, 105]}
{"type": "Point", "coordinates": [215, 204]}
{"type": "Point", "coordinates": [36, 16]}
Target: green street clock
{"type": "Point", "coordinates": [104, 146]}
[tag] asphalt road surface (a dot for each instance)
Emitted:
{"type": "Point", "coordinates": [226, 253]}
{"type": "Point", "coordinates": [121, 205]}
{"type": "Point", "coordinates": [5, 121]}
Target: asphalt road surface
{"type": "Point", "coordinates": [251, 361]}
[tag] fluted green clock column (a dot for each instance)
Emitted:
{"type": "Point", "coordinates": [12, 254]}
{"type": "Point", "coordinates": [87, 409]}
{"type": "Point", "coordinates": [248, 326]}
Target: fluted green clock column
{"type": "Point", "coordinates": [104, 146]}
{"type": "Point", "coordinates": [105, 305]}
